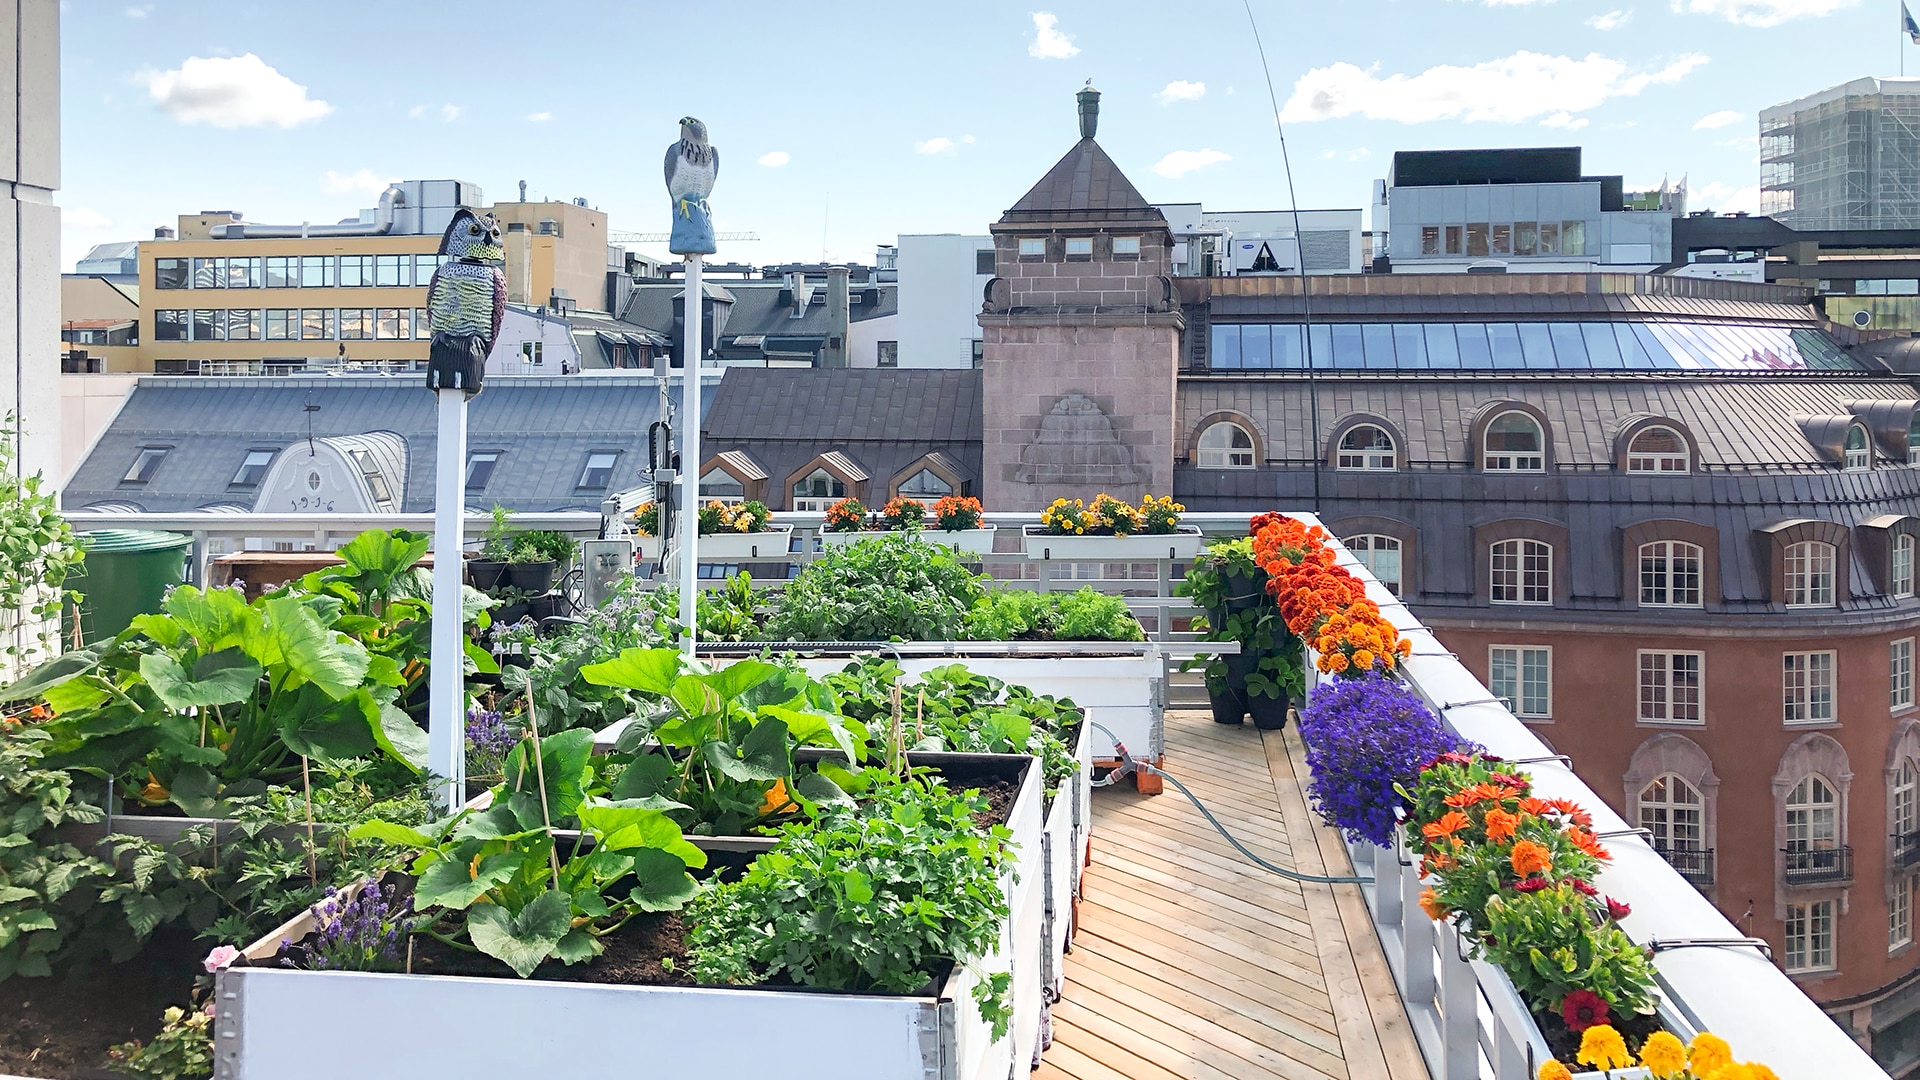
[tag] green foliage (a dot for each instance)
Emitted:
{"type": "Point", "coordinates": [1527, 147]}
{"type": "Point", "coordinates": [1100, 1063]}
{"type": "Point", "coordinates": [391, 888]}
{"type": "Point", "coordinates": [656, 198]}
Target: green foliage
{"type": "Point", "coordinates": [48, 888]}
{"type": "Point", "coordinates": [183, 1050]}
{"type": "Point", "coordinates": [543, 545]}
{"type": "Point", "coordinates": [500, 535]}
{"type": "Point", "coordinates": [1553, 942]}
{"type": "Point", "coordinates": [1221, 582]}
{"type": "Point", "coordinates": [38, 551]}
{"type": "Point", "coordinates": [1082, 615]}
{"type": "Point", "coordinates": [878, 896]}
{"type": "Point", "coordinates": [887, 588]}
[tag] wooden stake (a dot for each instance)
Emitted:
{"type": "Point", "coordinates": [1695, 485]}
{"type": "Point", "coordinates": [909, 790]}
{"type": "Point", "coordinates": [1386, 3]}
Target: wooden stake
{"type": "Point", "coordinates": [306, 781]}
{"type": "Point", "coordinates": [540, 777]}
{"type": "Point", "coordinates": [919, 717]}
{"type": "Point", "coordinates": [894, 755]}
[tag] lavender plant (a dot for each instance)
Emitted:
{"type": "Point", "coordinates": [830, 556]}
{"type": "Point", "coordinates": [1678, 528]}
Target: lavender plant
{"type": "Point", "coordinates": [1364, 736]}
{"type": "Point", "coordinates": [367, 933]}
{"type": "Point", "coordinates": [489, 740]}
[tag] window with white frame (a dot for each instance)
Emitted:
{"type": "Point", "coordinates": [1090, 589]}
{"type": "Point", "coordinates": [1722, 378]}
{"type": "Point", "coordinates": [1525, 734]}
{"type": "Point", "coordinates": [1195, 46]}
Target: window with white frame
{"type": "Point", "coordinates": [1900, 674]}
{"type": "Point", "coordinates": [1126, 247]}
{"type": "Point", "coordinates": [1033, 248]}
{"type": "Point", "coordinates": [1859, 453]}
{"type": "Point", "coordinates": [597, 473]}
{"type": "Point", "coordinates": [1813, 816]}
{"type": "Point", "coordinates": [1670, 574]}
{"type": "Point", "coordinates": [253, 468]}
{"type": "Point", "coordinates": [1809, 936]}
{"type": "Point", "coordinates": [818, 490]}
{"type": "Point", "coordinates": [1079, 247]}
{"type": "Point", "coordinates": [719, 485]}
{"type": "Point", "coordinates": [1674, 812]}
{"type": "Point", "coordinates": [1806, 688]}
{"type": "Point", "coordinates": [480, 467]}
{"type": "Point", "coordinates": [1809, 574]}
{"type": "Point", "coordinates": [1522, 572]}
{"type": "Point", "coordinates": [1523, 676]}
{"type": "Point", "coordinates": [1670, 688]}
{"type": "Point", "coordinates": [1513, 443]}
{"type": "Point", "coordinates": [1380, 555]}
{"type": "Point", "coordinates": [1900, 914]}
{"type": "Point", "coordinates": [1901, 571]}
{"type": "Point", "coordinates": [925, 485]}
{"type": "Point", "coordinates": [1367, 448]}
{"type": "Point", "coordinates": [1225, 445]}
{"type": "Point", "coordinates": [1901, 807]}
{"type": "Point", "coordinates": [1913, 439]}
{"type": "Point", "coordinates": [1658, 450]}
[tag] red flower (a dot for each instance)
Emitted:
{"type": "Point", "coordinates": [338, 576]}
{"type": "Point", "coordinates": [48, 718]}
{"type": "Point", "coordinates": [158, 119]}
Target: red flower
{"type": "Point", "coordinates": [1583, 887]}
{"type": "Point", "coordinates": [1582, 1009]}
{"type": "Point", "coordinates": [1617, 910]}
{"type": "Point", "coordinates": [1533, 884]}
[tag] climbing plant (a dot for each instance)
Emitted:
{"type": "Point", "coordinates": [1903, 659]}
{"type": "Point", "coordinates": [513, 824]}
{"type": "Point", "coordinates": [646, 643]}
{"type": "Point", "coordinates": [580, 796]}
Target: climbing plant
{"type": "Point", "coordinates": [38, 553]}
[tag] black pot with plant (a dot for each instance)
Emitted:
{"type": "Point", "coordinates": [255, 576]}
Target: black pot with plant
{"type": "Point", "coordinates": [485, 574]}
{"type": "Point", "coordinates": [1264, 677]}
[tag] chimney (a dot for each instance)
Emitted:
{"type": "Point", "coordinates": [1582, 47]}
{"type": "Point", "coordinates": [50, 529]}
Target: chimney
{"type": "Point", "coordinates": [523, 191]}
{"type": "Point", "coordinates": [834, 355]}
{"type": "Point", "coordinates": [163, 232]}
{"type": "Point", "coordinates": [1089, 100]}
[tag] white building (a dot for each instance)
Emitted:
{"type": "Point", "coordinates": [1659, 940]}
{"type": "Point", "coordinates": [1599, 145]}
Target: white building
{"type": "Point", "coordinates": [942, 280]}
{"type": "Point", "coordinates": [1229, 243]}
{"type": "Point", "coordinates": [533, 341]}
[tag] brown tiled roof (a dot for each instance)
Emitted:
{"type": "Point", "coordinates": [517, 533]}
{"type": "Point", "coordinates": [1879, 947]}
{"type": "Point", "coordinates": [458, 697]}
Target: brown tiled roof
{"type": "Point", "coordinates": [1085, 183]}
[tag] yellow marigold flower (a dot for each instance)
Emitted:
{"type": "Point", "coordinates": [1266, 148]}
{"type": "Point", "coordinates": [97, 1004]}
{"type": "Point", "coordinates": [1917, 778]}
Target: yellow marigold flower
{"type": "Point", "coordinates": [1362, 659]}
{"type": "Point", "coordinates": [1553, 1070]}
{"type": "Point", "coordinates": [1664, 1055]}
{"type": "Point", "coordinates": [1734, 1071]}
{"type": "Point", "coordinates": [1761, 1072]}
{"type": "Point", "coordinates": [1708, 1053]}
{"type": "Point", "coordinates": [1603, 1048]}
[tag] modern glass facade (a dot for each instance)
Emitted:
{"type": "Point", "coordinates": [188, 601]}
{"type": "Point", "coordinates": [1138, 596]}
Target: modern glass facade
{"type": "Point", "coordinates": [1536, 346]}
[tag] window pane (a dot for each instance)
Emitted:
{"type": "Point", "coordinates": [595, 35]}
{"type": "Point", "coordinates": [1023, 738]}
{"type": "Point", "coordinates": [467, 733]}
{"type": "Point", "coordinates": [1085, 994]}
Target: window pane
{"type": "Point", "coordinates": [1225, 346]}
{"type": "Point", "coordinates": [1602, 347]}
{"type": "Point", "coordinates": [1320, 346]}
{"type": "Point", "coordinates": [171, 273]}
{"type": "Point", "coordinates": [1474, 351]}
{"type": "Point", "coordinates": [391, 270]}
{"type": "Point", "coordinates": [316, 271]}
{"type": "Point", "coordinates": [424, 266]}
{"type": "Point", "coordinates": [1505, 341]}
{"type": "Point", "coordinates": [1573, 238]}
{"type": "Point", "coordinates": [282, 271]}
{"type": "Point", "coordinates": [1502, 240]}
{"type": "Point", "coordinates": [243, 325]}
{"type": "Point", "coordinates": [1526, 237]}
{"type": "Point", "coordinates": [1409, 346]}
{"type": "Point", "coordinates": [480, 466]}
{"type": "Point", "coordinates": [1536, 344]}
{"type": "Point", "coordinates": [170, 325]}
{"type": "Point", "coordinates": [1378, 340]}
{"type": "Point", "coordinates": [1256, 346]}
{"type": "Point", "coordinates": [1477, 239]}
{"type": "Point", "coordinates": [1568, 346]}
{"type": "Point", "coordinates": [209, 325]}
{"type": "Point", "coordinates": [1443, 351]}
{"type": "Point", "coordinates": [1348, 352]}
{"type": "Point", "coordinates": [1289, 349]}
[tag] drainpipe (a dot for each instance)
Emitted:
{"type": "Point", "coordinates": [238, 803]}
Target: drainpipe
{"type": "Point", "coordinates": [381, 225]}
{"type": "Point", "coordinates": [834, 354]}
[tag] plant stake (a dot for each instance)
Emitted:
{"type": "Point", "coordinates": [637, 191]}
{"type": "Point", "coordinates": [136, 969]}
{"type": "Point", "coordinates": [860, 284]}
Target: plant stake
{"type": "Point", "coordinates": [540, 777]}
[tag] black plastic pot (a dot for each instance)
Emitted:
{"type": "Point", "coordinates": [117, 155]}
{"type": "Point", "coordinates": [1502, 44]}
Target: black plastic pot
{"type": "Point", "coordinates": [1239, 666]}
{"type": "Point", "coordinates": [1228, 706]}
{"type": "Point", "coordinates": [1269, 713]}
{"type": "Point", "coordinates": [484, 574]}
{"type": "Point", "coordinates": [546, 607]}
{"type": "Point", "coordinates": [1243, 592]}
{"type": "Point", "coordinates": [508, 614]}
{"type": "Point", "coordinates": [534, 577]}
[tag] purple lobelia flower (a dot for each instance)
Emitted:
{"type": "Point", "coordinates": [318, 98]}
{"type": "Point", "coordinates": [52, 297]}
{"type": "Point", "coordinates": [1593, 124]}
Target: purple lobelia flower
{"type": "Point", "coordinates": [1364, 736]}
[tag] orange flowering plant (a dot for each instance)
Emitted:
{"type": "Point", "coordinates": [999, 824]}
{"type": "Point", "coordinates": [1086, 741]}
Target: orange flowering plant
{"type": "Point", "coordinates": [847, 515]}
{"type": "Point", "coordinates": [1323, 603]}
{"type": "Point", "coordinates": [954, 513]}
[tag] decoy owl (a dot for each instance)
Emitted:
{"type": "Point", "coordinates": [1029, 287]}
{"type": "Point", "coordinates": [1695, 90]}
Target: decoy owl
{"type": "Point", "coordinates": [465, 302]}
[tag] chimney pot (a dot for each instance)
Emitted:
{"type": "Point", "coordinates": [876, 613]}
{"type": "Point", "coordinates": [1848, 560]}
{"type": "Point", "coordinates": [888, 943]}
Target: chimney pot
{"type": "Point", "coordinates": [1089, 100]}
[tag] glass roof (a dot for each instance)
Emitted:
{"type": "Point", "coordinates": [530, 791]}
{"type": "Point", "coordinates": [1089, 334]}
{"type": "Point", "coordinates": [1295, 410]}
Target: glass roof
{"type": "Point", "coordinates": [1528, 346]}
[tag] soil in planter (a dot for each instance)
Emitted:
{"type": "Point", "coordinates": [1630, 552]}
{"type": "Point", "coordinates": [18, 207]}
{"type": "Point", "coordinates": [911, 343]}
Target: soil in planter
{"type": "Point", "coordinates": [1564, 1042]}
{"type": "Point", "coordinates": [62, 1025]}
{"type": "Point", "coordinates": [999, 791]}
{"type": "Point", "coordinates": [633, 957]}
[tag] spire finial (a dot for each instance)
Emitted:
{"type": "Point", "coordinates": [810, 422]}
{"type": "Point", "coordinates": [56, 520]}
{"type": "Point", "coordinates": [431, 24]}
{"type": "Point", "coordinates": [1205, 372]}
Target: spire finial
{"type": "Point", "coordinates": [1089, 99]}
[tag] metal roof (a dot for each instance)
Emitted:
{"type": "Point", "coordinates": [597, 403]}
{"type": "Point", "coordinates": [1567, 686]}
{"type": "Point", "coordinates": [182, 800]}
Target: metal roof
{"type": "Point", "coordinates": [1084, 183]}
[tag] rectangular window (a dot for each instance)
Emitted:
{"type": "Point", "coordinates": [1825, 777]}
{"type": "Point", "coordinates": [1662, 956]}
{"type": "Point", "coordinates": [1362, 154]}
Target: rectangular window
{"type": "Point", "coordinates": [1549, 238]}
{"type": "Point", "coordinates": [597, 474]}
{"type": "Point", "coordinates": [356, 324]}
{"type": "Point", "coordinates": [171, 274]}
{"type": "Point", "coordinates": [391, 270]}
{"type": "Point", "coordinates": [1806, 688]}
{"type": "Point", "coordinates": [1809, 574]}
{"type": "Point", "coordinates": [316, 324]}
{"type": "Point", "coordinates": [316, 271]}
{"type": "Point", "coordinates": [424, 266]}
{"type": "Point", "coordinates": [1526, 237]}
{"type": "Point", "coordinates": [209, 325]}
{"type": "Point", "coordinates": [1900, 915]}
{"type": "Point", "coordinates": [1453, 239]}
{"type": "Point", "coordinates": [170, 325]}
{"type": "Point", "coordinates": [1670, 574]}
{"type": "Point", "coordinates": [209, 273]}
{"type": "Point", "coordinates": [1033, 248]}
{"type": "Point", "coordinates": [480, 466]}
{"type": "Point", "coordinates": [243, 325]}
{"type": "Point", "coordinates": [1429, 239]}
{"type": "Point", "coordinates": [1902, 566]}
{"type": "Point", "coordinates": [145, 464]}
{"type": "Point", "coordinates": [1522, 675]}
{"type": "Point", "coordinates": [1079, 247]}
{"type": "Point", "coordinates": [283, 271]}
{"type": "Point", "coordinates": [1670, 688]}
{"type": "Point", "coordinates": [1521, 572]}
{"type": "Point", "coordinates": [1502, 242]}
{"type": "Point", "coordinates": [1476, 239]}
{"type": "Point", "coordinates": [420, 327]}
{"type": "Point", "coordinates": [243, 273]}
{"type": "Point", "coordinates": [253, 469]}
{"type": "Point", "coordinates": [1809, 936]}
{"type": "Point", "coordinates": [356, 270]}
{"type": "Point", "coordinates": [1126, 247]}
{"type": "Point", "coordinates": [1900, 674]}
{"type": "Point", "coordinates": [390, 324]}
{"type": "Point", "coordinates": [888, 354]}
{"type": "Point", "coordinates": [1573, 238]}
{"type": "Point", "coordinates": [281, 324]}
{"type": "Point", "coordinates": [983, 261]}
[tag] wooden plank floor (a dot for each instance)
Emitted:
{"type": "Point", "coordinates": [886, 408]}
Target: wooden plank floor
{"type": "Point", "coordinates": [1192, 962]}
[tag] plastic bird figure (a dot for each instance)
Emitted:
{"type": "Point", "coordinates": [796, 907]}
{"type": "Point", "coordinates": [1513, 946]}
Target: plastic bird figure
{"type": "Point", "coordinates": [692, 166]}
{"type": "Point", "coordinates": [465, 301]}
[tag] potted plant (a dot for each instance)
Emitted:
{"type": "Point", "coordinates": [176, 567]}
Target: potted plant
{"type": "Point", "coordinates": [738, 532]}
{"type": "Point", "coordinates": [485, 570]}
{"type": "Point", "coordinates": [1111, 530]}
{"type": "Point", "coordinates": [646, 528]}
{"type": "Point", "coordinates": [1264, 677]}
{"type": "Point", "coordinates": [844, 523]}
{"type": "Point", "coordinates": [536, 559]}
{"type": "Point", "coordinates": [953, 522]}
{"type": "Point", "coordinates": [957, 524]}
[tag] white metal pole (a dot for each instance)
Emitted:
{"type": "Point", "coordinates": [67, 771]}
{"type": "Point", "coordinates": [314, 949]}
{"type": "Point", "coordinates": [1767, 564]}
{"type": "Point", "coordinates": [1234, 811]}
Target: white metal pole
{"type": "Point", "coordinates": [447, 705]}
{"type": "Point", "coordinates": [690, 456]}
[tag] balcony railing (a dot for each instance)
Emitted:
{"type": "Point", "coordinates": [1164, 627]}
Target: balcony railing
{"type": "Point", "coordinates": [1694, 864]}
{"type": "Point", "coordinates": [1818, 866]}
{"type": "Point", "coordinates": [1906, 850]}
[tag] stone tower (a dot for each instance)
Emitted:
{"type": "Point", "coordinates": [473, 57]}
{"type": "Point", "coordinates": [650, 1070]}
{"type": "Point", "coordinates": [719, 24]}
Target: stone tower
{"type": "Point", "coordinates": [1082, 338]}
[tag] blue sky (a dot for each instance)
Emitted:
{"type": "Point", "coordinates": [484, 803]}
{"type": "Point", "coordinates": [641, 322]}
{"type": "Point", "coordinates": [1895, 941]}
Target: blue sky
{"type": "Point", "coordinates": [844, 124]}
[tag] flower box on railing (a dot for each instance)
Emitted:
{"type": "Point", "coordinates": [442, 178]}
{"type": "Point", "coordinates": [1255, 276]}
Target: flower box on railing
{"type": "Point", "coordinates": [1694, 864]}
{"type": "Point", "coordinates": [1180, 546]}
{"type": "Point", "coordinates": [770, 544]}
{"type": "Point", "coordinates": [1818, 866]}
{"type": "Point", "coordinates": [972, 541]}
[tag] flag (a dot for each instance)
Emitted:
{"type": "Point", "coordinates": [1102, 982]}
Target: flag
{"type": "Point", "coordinates": [1907, 25]}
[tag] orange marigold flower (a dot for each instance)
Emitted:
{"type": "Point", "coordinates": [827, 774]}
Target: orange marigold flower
{"type": "Point", "coordinates": [1529, 858]}
{"type": "Point", "coordinates": [1500, 824]}
{"type": "Point", "coordinates": [1430, 903]}
{"type": "Point", "coordinates": [1451, 822]}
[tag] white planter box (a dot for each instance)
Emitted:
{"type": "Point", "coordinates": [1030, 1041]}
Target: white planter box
{"type": "Point", "coordinates": [973, 541]}
{"type": "Point", "coordinates": [1179, 546]}
{"type": "Point", "coordinates": [1064, 841]}
{"type": "Point", "coordinates": [773, 545]}
{"type": "Point", "coordinates": [647, 547]}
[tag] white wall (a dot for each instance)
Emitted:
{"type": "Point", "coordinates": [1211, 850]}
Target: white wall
{"type": "Point", "coordinates": [560, 354]}
{"type": "Point", "coordinates": [30, 231]}
{"type": "Point", "coordinates": [940, 298]}
{"type": "Point", "coordinates": [864, 338]}
{"type": "Point", "coordinates": [88, 403]}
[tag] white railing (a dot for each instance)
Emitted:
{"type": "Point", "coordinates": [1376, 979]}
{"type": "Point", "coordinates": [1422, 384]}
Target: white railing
{"type": "Point", "coordinates": [1470, 1023]}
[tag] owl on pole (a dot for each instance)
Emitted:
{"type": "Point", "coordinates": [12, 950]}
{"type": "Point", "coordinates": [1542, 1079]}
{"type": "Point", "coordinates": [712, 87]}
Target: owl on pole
{"type": "Point", "coordinates": [465, 302]}
{"type": "Point", "coordinates": [692, 166]}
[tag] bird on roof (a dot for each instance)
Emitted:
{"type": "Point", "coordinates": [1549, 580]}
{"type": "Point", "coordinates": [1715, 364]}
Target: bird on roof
{"type": "Point", "coordinates": [465, 302]}
{"type": "Point", "coordinates": [692, 165]}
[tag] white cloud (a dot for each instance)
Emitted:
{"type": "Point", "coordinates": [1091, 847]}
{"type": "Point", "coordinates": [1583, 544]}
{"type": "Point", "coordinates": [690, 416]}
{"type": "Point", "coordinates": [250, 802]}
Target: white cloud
{"type": "Point", "coordinates": [1725, 198]}
{"type": "Point", "coordinates": [1716, 120]}
{"type": "Point", "coordinates": [364, 181]}
{"type": "Point", "coordinates": [1565, 120]}
{"type": "Point", "coordinates": [79, 217]}
{"type": "Point", "coordinates": [232, 92]}
{"type": "Point", "coordinates": [1048, 42]}
{"type": "Point", "coordinates": [449, 113]}
{"type": "Point", "coordinates": [539, 117]}
{"type": "Point", "coordinates": [139, 11]}
{"type": "Point", "coordinates": [939, 144]}
{"type": "Point", "coordinates": [416, 112]}
{"type": "Point", "coordinates": [1511, 89]}
{"type": "Point", "coordinates": [1181, 90]}
{"type": "Point", "coordinates": [1361, 154]}
{"type": "Point", "coordinates": [1181, 162]}
{"type": "Point", "coordinates": [1612, 20]}
{"type": "Point", "coordinates": [1762, 12]}
{"type": "Point", "coordinates": [773, 159]}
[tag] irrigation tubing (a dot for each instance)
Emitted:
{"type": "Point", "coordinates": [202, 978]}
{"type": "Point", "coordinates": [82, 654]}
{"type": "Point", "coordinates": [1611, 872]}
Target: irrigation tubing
{"type": "Point", "coordinates": [1128, 763]}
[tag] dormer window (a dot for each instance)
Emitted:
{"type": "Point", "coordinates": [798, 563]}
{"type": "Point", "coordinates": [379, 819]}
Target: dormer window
{"type": "Point", "coordinates": [1033, 248]}
{"type": "Point", "coordinates": [1859, 454]}
{"type": "Point", "coordinates": [1079, 247]}
{"type": "Point", "coordinates": [1126, 247]}
{"type": "Point", "coordinates": [1913, 439]}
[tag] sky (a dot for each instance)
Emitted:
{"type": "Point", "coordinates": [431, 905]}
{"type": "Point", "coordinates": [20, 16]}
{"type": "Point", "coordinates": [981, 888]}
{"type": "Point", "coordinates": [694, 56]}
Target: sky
{"type": "Point", "coordinates": [843, 124]}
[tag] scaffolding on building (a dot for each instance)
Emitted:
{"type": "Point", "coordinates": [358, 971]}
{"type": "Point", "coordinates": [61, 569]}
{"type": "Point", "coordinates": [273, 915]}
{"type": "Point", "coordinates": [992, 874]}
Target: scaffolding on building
{"type": "Point", "coordinates": [1846, 158]}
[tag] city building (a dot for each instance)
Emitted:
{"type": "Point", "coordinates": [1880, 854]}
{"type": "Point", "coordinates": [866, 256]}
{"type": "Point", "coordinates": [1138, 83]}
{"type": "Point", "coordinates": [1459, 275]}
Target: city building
{"type": "Point", "coordinates": [796, 316]}
{"type": "Point", "coordinates": [1519, 211]}
{"type": "Point", "coordinates": [1867, 279]}
{"type": "Point", "coordinates": [115, 260]}
{"type": "Point", "coordinates": [941, 279]}
{"type": "Point", "coordinates": [1847, 157]}
{"type": "Point", "coordinates": [1210, 243]}
{"type": "Point", "coordinates": [99, 323]}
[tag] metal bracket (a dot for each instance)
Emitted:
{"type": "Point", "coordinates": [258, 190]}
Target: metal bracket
{"type": "Point", "coordinates": [1644, 834]}
{"type": "Point", "coordinates": [1660, 945]}
{"type": "Point", "coordinates": [1476, 701]}
{"type": "Point", "coordinates": [1561, 758]}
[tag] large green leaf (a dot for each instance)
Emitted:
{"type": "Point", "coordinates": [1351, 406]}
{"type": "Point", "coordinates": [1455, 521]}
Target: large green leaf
{"type": "Point", "coordinates": [455, 884]}
{"type": "Point", "coordinates": [762, 755]}
{"type": "Point", "coordinates": [652, 671]}
{"type": "Point", "coordinates": [661, 881]}
{"type": "Point", "coordinates": [402, 739]}
{"type": "Point", "coordinates": [522, 941]}
{"type": "Point", "coordinates": [635, 824]}
{"type": "Point", "coordinates": [85, 692]}
{"type": "Point", "coordinates": [563, 758]}
{"type": "Point", "coordinates": [315, 725]}
{"type": "Point", "coordinates": [216, 619]}
{"type": "Point", "coordinates": [811, 727]}
{"type": "Point", "coordinates": [52, 673]}
{"type": "Point", "coordinates": [645, 775]}
{"type": "Point", "coordinates": [382, 553]}
{"type": "Point", "coordinates": [297, 637]}
{"type": "Point", "coordinates": [391, 833]}
{"type": "Point", "coordinates": [735, 679]}
{"type": "Point", "coordinates": [220, 678]}
{"type": "Point", "coordinates": [195, 791]}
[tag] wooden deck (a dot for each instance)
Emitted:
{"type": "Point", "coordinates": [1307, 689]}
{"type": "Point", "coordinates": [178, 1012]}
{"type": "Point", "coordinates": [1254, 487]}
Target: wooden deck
{"type": "Point", "coordinates": [1191, 962]}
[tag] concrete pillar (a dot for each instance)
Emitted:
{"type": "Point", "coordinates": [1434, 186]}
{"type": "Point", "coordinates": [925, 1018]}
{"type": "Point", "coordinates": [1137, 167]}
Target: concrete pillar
{"type": "Point", "coordinates": [30, 232]}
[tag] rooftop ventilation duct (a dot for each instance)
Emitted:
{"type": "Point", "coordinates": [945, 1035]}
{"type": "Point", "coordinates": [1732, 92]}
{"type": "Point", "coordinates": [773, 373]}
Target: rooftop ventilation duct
{"type": "Point", "coordinates": [381, 224]}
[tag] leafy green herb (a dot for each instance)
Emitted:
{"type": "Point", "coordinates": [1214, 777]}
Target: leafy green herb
{"type": "Point", "coordinates": [887, 588]}
{"type": "Point", "coordinates": [1082, 615]}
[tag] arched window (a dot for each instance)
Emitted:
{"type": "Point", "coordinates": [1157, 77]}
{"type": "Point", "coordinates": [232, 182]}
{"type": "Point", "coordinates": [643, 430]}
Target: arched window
{"type": "Point", "coordinates": [818, 490]}
{"type": "Point", "coordinates": [1809, 574]}
{"type": "Point", "coordinates": [1901, 575]}
{"type": "Point", "coordinates": [926, 485]}
{"type": "Point", "coordinates": [1859, 453]}
{"type": "Point", "coordinates": [1522, 572]}
{"type": "Point", "coordinates": [1658, 450]}
{"type": "Point", "coordinates": [1367, 448]}
{"type": "Point", "coordinates": [1514, 444]}
{"type": "Point", "coordinates": [1226, 445]}
{"type": "Point", "coordinates": [1902, 820]}
{"type": "Point", "coordinates": [1913, 439]}
{"type": "Point", "coordinates": [1380, 555]}
{"type": "Point", "coordinates": [719, 485]}
{"type": "Point", "coordinates": [1673, 811]}
{"type": "Point", "coordinates": [1813, 849]}
{"type": "Point", "coordinates": [1670, 574]}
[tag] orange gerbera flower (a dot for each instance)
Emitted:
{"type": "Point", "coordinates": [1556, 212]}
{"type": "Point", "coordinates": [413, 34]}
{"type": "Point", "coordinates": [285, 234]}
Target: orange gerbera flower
{"type": "Point", "coordinates": [1451, 822]}
{"type": "Point", "coordinates": [1575, 813]}
{"type": "Point", "coordinates": [1588, 843]}
{"type": "Point", "coordinates": [1482, 792]}
{"type": "Point", "coordinates": [1500, 824]}
{"type": "Point", "coordinates": [1430, 903]}
{"type": "Point", "coordinates": [1529, 858]}
{"type": "Point", "coordinates": [1438, 860]}
{"type": "Point", "coordinates": [1534, 807]}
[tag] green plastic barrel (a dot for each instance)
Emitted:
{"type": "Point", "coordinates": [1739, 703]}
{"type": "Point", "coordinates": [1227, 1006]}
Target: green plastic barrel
{"type": "Point", "coordinates": [127, 573]}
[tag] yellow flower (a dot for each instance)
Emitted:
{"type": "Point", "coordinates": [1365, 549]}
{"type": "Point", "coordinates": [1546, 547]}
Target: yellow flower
{"type": "Point", "coordinates": [1708, 1053]}
{"type": "Point", "coordinates": [1603, 1048]}
{"type": "Point", "coordinates": [1553, 1070]}
{"type": "Point", "coordinates": [1733, 1071]}
{"type": "Point", "coordinates": [1664, 1055]}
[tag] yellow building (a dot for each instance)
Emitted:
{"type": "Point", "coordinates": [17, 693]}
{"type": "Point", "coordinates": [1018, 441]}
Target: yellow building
{"type": "Point", "coordinates": [224, 296]}
{"type": "Point", "coordinates": [99, 324]}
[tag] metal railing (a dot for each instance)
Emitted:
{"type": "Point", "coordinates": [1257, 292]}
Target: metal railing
{"type": "Point", "coordinates": [1906, 850]}
{"type": "Point", "coordinates": [1694, 864]}
{"type": "Point", "coordinates": [1818, 866]}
